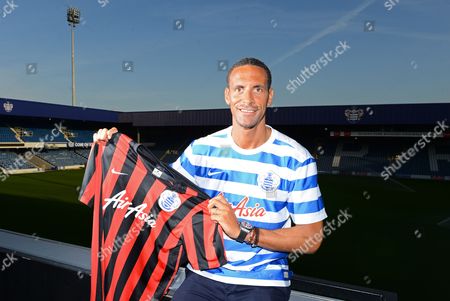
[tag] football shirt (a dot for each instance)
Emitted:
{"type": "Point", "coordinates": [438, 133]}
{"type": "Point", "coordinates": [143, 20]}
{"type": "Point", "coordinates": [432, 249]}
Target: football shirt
{"type": "Point", "coordinates": [147, 221]}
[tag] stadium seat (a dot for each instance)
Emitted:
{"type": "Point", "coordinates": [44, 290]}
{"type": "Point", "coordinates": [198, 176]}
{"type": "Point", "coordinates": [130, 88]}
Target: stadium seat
{"type": "Point", "coordinates": [7, 135]}
{"type": "Point", "coordinates": [62, 157]}
{"type": "Point", "coordinates": [10, 161]}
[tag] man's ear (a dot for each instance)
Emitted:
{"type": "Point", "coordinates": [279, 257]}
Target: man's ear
{"type": "Point", "coordinates": [269, 101]}
{"type": "Point", "coordinates": [226, 94]}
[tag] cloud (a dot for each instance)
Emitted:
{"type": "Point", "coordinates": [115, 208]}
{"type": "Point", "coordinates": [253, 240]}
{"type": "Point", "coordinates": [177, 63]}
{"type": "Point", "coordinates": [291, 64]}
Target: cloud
{"type": "Point", "coordinates": [338, 25]}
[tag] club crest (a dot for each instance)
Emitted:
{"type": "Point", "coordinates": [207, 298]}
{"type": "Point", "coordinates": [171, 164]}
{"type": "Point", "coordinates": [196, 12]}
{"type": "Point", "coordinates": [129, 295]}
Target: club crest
{"type": "Point", "coordinates": [8, 107]}
{"type": "Point", "coordinates": [269, 181]}
{"type": "Point", "coordinates": [169, 200]}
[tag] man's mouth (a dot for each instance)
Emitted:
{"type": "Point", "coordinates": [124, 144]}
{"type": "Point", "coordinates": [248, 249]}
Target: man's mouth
{"type": "Point", "coordinates": [247, 110]}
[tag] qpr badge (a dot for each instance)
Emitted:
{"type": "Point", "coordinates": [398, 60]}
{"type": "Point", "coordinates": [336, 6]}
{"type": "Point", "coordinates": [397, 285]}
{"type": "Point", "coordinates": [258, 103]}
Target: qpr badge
{"type": "Point", "coordinates": [354, 114]}
{"type": "Point", "coordinates": [169, 200]}
{"type": "Point", "coordinates": [269, 181]}
{"type": "Point", "coordinates": [8, 107]}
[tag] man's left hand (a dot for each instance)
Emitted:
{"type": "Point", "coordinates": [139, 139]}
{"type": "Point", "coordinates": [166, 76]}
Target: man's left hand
{"type": "Point", "coordinates": [222, 213]}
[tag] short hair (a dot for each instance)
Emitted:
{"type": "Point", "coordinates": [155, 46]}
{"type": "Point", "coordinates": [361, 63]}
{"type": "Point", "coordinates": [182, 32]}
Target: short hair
{"type": "Point", "coordinates": [254, 62]}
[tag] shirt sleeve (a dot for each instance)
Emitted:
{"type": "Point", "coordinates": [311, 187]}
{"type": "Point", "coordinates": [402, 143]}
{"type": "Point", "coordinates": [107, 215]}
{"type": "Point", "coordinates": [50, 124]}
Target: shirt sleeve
{"type": "Point", "coordinates": [90, 182]}
{"type": "Point", "coordinates": [203, 241]}
{"type": "Point", "coordinates": [185, 164]}
{"type": "Point", "coordinates": [305, 202]}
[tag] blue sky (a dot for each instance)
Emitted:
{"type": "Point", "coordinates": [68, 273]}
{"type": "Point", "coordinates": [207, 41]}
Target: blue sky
{"type": "Point", "coordinates": [404, 60]}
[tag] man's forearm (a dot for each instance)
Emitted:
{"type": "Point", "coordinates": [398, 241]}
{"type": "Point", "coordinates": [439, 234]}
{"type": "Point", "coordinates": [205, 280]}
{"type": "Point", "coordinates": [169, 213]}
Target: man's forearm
{"type": "Point", "coordinates": [288, 239]}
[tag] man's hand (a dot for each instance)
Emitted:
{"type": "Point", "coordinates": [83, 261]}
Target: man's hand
{"type": "Point", "coordinates": [104, 134]}
{"type": "Point", "coordinates": [222, 213]}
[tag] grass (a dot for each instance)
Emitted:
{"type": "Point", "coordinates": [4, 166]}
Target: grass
{"type": "Point", "coordinates": [46, 204]}
{"type": "Point", "coordinates": [391, 242]}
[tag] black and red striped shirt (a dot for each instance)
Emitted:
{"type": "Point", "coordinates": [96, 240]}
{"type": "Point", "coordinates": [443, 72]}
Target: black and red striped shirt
{"type": "Point", "coordinates": [147, 221]}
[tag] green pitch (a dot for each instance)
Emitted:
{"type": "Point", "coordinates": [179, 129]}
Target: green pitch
{"type": "Point", "coordinates": [390, 239]}
{"type": "Point", "coordinates": [46, 204]}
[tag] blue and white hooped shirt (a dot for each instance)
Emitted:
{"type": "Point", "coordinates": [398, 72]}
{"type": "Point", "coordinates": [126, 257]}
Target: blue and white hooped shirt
{"type": "Point", "coordinates": [268, 186]}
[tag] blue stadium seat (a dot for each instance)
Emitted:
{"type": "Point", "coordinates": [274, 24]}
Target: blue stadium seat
{"type": "Point", "coordinates": [50, 135]}
{"type": "Point", "coordinates": [80, 136]}
{"type": "Point", "coordinates": [7, 135]}
{"type": "Point", "coordinates": [62, 157]}
{"type": "Point", "coordinates": [84, 152]}
{"type": "Point", "coordinates": [10, 160]}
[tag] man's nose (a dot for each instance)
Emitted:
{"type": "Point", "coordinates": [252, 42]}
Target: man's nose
{"type": "Point", "coordinates": [248, 95]}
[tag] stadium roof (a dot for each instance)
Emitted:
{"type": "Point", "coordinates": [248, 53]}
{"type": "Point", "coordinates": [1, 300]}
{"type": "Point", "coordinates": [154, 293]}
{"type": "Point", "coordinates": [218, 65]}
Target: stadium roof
{"type": "Point", "coordinates": [392, 114]}
{"type": "Point", "coordinates": [23, 108]}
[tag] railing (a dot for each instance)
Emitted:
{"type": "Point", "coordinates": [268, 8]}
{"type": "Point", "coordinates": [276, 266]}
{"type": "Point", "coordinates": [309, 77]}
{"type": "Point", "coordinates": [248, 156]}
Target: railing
{"type": "Point", "coordinates": [34, 268]}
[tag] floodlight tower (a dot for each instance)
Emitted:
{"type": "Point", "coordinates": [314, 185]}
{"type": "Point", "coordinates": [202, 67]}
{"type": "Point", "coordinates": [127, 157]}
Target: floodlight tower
{"type": "Point", "coordinates": [73, 17]}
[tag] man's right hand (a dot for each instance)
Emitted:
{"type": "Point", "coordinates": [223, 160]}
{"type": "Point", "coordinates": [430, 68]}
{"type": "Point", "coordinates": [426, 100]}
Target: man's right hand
{"type": "Point", "coordinates": [104, 134]}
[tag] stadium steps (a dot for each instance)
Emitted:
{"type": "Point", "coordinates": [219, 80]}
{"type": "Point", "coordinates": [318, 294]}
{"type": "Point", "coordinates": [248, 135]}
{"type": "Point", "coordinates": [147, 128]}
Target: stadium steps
{"type": "Point", "coordinates": [432, 158]}
{"type": "Point", "coordinates": [65, 131]}
{"type": "Point", "coordinates": [337, 155]}
{"type": "Point", "coordinates": [41, 163]}
{"type": "Point", "coordinates": [65, 136]}
{"type": "Point", "coordinates": [17, 134]}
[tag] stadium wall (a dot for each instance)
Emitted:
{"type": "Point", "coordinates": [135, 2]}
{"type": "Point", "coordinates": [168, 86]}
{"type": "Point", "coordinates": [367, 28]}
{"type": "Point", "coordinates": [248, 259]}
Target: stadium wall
{"type": "Point", "coordinates": [392, 114]}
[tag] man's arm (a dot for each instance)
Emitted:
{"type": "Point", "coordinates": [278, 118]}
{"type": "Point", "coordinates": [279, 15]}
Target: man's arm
{"type": "Point", "coordinates": [307, 236]}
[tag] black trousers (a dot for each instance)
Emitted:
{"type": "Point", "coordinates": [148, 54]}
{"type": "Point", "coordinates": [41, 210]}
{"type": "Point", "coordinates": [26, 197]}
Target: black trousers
{"type": "Point", "coordinates": [199, 288]}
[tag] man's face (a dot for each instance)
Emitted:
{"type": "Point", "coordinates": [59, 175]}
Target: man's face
{"type": "Point", "coordinates": [248, 96]}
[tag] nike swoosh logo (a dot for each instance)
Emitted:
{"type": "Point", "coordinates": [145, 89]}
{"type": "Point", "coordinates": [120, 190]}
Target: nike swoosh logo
{"type": "Point", "coordinates": [214, 173]}
{"type": "Point", "coordinates": [118, 173]}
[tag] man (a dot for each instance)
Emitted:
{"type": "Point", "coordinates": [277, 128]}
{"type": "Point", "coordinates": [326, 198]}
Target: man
{"type": "Point", "coordinates": [260, 181]}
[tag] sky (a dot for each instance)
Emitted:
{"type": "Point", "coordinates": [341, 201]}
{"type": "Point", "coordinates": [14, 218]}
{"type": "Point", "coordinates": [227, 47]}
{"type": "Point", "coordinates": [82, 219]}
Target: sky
{"type": "Point", "coordinates": [151, 55]}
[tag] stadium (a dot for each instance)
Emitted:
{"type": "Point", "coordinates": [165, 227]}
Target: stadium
{"type": "Point", "coordinates": [44, 148]}
{"type": "Point", "coordinates": [347, 186]}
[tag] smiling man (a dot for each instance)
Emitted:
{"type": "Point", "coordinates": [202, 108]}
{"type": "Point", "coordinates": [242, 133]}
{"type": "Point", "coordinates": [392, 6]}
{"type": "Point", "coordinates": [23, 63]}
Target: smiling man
{"type": "Point", "coordinates": [262, 181]}
{"type": "Point", "coordinates": [265, 195]}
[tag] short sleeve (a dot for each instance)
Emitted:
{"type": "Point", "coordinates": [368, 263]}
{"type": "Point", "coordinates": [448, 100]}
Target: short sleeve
{"type": "Point", "coordinates": [185, 164]}
{"type": "Point", "coordinates": [90, 182]}
{"type": "Point", "coordinates": [305, 204]}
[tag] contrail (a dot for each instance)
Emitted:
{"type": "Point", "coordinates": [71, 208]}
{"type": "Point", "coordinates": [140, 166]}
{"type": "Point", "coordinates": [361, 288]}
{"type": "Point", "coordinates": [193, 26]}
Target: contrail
{"type": "Point", "coordinates": [341, 23]}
